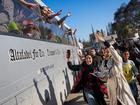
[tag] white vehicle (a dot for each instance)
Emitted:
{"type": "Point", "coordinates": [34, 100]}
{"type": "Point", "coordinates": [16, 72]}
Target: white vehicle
{"type": "Point", "coordinates": [33, 70]}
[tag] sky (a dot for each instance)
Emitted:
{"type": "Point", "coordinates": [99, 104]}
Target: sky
{"type": "Point", "coordinates": [85, 13]}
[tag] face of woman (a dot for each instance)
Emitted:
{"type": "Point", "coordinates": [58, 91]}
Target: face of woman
{"type": "Point", "coordinates": [106, 53]}
{"type": "Point", "coordinates": [89, 60]}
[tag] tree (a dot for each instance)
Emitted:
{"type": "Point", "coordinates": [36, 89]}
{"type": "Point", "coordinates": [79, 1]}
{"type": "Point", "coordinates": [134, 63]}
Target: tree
{"type": "Point", "coordinates": [127, 19]}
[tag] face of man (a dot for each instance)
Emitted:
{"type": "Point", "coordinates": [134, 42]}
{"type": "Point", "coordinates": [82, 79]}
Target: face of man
{"type": "Point", "coordinates": [50, 35]}
{"type": "Point", "coordinates": [30, 27]}
{"type": "Point", "coordinates": [47, 11]}
{"type": "Point", "coordinates": [89, 60]}
{"type": "Point", "coordinates": [126, 55]}
{"type": "Point", "coordinates": [93, 52]}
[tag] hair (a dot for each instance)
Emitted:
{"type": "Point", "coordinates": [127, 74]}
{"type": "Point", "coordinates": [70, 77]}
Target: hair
{"type": "Point", "coordinates": [92, 48]}
{"type": "Point", "coordinates": [125, 50]}
{"type": "Point", "coordinates": [42, 7]}
{"type": "Point", "coordinates": [89, 53]}
{"type": "Point", "coordinates": [49, 31]}
{"type": "Point", "coordinates": [97, 31]}
{"type": "Point", "coordinates": [84, 62]}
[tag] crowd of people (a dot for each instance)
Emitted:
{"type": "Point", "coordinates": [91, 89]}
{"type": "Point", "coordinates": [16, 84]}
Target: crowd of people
{"type": "Point", "coordinates": [111, 72]}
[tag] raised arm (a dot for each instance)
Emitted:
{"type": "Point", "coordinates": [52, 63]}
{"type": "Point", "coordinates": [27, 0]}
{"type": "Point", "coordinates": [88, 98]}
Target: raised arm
{"type": "Point", "coordinates": [116, 57]}
{"type": "Point", "coordinates": [56, 14]}
{"type": "Point", "coordinates": [74, 67]}
{"type": "Point", "coordinates": [29, 5]}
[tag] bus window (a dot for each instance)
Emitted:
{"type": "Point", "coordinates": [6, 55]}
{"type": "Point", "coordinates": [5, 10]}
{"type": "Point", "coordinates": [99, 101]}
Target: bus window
{"type": "Point", "coordinates": [22, 21]}
{"type": "Point", "coordinates": [19, 19]}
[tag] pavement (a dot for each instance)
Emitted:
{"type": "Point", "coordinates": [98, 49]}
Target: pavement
{"type": "Point", "coordinates": [77, 98]}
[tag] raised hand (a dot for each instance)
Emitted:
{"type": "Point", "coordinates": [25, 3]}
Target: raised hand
{"type": "Point", "coordinates": [59, 13]}
{"type": "Point", "coordinates": [99, 37]}
{"type": "Point", "coordinates": [69, 14]}
{"type": "Point", "coordinates": [113, 38]}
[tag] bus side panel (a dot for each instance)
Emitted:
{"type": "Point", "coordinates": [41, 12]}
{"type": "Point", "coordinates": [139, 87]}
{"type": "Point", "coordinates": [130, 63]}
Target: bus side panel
{"type": "Point", "coordinates": [34, 72]}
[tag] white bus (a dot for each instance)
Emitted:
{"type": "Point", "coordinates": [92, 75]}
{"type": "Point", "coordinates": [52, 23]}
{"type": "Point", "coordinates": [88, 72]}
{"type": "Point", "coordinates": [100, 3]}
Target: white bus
{"type": "Point", "coordinates": [33, 70]}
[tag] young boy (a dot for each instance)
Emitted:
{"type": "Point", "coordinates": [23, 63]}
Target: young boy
{"type": "Point", "coordinates": [130, 72]}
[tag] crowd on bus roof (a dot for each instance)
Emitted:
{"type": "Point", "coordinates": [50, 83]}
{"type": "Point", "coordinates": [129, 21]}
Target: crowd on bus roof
{"type": "Point", "coordinates": [28, 19]}
{"type": "Point", "coordinates": [48, 15]}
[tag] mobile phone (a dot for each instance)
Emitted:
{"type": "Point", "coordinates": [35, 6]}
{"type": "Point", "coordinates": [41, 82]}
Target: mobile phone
{"type": "Point", "coordinates": [68, 54]}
